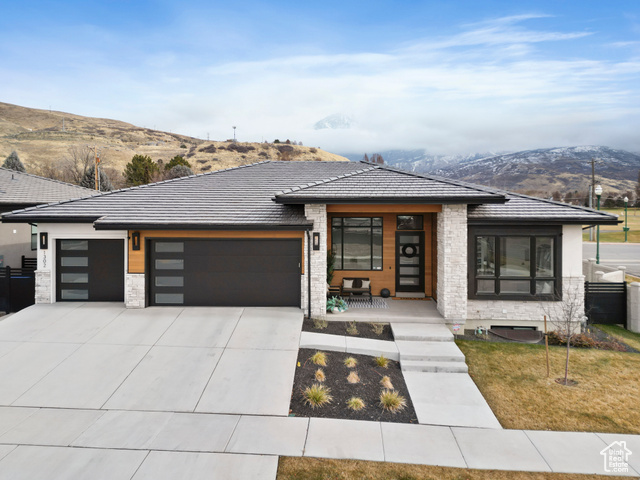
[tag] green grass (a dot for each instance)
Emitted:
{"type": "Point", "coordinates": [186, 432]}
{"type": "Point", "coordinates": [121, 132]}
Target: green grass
{"type": "Point", "coordinates": [614, 233]}
{"type": "Point", "coordinates": [304, 468]}
{"type": "Point", "coordinates": [630, 338]}
{"type": "Point", "coordinates": [382, 361]}
{"type": "Point", "coordinates": [513, 380]}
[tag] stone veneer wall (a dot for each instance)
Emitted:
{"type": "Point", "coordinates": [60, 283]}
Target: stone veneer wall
{"type": "Point", "coordinates": [510, 312]}
{"type": "Point", "coordinates": [318, 267]}
{"type": "Point", "coordinates": [134, 290]}
{"type": "Point", "coordinates": [43, 286]}
{"type": "Point", "coordinates": [452, 262]}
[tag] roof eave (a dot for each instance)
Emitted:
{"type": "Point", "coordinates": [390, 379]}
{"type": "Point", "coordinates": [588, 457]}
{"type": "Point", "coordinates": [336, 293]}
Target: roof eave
{"type": "Point", "coordinates": [42, 219]}
{"type": "Point", "coordinates": [291, 200]}
{"type": "Point", "coordinates": [200, 226]}
{"type": "Point", "coordinates": [539, 221]}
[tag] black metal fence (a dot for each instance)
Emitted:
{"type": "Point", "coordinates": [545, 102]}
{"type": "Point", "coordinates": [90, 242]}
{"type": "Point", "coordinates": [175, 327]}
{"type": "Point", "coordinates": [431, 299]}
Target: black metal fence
{"type": "Point", "coordinates": [606, 302]}
{"type": "Point", "coordinates": [17, 288]}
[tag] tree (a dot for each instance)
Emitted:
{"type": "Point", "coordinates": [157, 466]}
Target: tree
{"type": "Point", "coordinates": [567, 316]}
{"type": "Point", "coordinates": [365, 158]}
{"type": "Point", "coordinates": [377, 158]}
{"type": "Point", "coordinates": [76, 163]}
{"type": "Point", "coordinates": [139, 170]}
{"type": "Point", "coordinates": [175, 161]}
{"type": "Point", "coordinates": [556, 196]}
{"type": "Point", "coordinates": [12, 162]}
{"type": "Point", "coordinates": [178, 171]}
{"type": "Point", "coordinates": [89, 180]}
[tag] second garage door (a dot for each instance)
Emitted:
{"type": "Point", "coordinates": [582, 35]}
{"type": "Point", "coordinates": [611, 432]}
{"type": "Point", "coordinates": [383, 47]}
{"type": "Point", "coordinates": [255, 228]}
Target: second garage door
{"type": "Point", "coordinates": [225, 272]}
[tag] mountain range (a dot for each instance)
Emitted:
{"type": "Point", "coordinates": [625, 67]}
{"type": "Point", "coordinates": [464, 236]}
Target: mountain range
{"type": "Point", "coordinates": [541, 171]}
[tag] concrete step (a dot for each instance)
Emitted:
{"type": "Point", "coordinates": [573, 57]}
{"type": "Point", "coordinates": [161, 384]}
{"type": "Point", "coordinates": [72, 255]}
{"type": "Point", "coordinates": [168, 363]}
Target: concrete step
{"type": "Point", "coordinates": [425, 332]}
{"type": "Point", "coordinates": [440, 367]}
{"type": "Point", "coordinates": [429, 351]}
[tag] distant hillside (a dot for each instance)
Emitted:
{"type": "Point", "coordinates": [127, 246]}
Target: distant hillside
{"type": "Point", "coordinates": [43, 140]}
{"type": "Point", "coordinates": [544, 171]}
{"type": "Point", "coordinates": [550, 169]}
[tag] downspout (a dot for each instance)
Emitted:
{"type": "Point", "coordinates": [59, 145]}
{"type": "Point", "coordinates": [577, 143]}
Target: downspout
{"type": "Point", "coordinates": [308, 274]}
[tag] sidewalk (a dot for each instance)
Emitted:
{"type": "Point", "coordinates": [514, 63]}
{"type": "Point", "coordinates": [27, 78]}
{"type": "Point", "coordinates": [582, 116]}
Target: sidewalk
{"type": "Point", "coordinates": [113, 445]}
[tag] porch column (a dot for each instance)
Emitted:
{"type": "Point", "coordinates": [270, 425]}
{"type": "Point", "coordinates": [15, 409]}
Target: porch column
{"type": "Point", "coordinates": [318, 267]}
{"type": "Point", "coordinates": [452, 263]}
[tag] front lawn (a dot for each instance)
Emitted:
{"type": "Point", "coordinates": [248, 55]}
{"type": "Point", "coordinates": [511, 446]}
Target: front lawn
{"type": "Point", "coordinates": [512, 378]}
{"type": "Point", "coordinates": [290, 468]}
{"type": "Point", "coordinates": [630, 338]}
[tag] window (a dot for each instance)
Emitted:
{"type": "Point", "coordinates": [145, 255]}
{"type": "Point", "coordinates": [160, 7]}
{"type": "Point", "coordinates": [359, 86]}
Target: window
{"type": "Point", "coordinates": [357, 243]}
{"type": "Point", "coordinates": [515, 263]}
{"type": "Point", "coordinates": [410, 222]}
{"type": "Point", "coordinates": [34, 237]}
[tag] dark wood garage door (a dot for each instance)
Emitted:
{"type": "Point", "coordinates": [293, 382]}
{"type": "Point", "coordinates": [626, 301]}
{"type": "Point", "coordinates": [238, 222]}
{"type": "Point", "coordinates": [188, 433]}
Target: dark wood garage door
{"type": "Point", "coordinates": [225, 272]}
{"type": "Point", "coordinates": [90, 270]}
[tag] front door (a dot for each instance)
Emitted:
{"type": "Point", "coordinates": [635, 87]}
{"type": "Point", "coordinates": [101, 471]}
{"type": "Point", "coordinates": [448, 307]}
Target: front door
{"type": "Point", "coordinates": [410, 262]}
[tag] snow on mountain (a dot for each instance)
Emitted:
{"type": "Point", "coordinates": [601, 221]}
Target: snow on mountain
{"type": "Point", "coordinates": [335, 121]}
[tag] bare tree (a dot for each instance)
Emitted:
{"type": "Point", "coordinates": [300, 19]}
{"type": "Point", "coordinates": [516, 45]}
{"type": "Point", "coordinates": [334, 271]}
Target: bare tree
{"type": "Point", "coordinates": [567, 316]}
{"type": "Point", "coordinates": [77, 162]}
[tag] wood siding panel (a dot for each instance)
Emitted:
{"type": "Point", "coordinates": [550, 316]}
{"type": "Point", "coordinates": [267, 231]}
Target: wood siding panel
{"type": "Point", "coordinates": [386, 278]}
{"type": "Point", "coordinates": [137, 261]}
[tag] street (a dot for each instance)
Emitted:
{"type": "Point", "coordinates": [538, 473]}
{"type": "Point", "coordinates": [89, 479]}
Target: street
{"type": "Point", "coordinates": [615, 254]}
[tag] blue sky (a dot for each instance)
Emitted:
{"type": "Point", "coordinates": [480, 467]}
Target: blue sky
{"type": "Point", "coordinates": [447, 76]}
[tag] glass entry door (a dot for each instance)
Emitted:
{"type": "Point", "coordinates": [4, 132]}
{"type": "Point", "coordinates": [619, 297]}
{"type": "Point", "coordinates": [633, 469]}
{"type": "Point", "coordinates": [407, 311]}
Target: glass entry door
{"type": "Point", "coordinates": [410, 261]}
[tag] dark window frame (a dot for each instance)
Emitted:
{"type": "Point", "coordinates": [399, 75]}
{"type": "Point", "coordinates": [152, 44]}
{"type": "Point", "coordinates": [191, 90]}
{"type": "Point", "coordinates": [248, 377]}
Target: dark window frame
{"type": "Point", "coordinates": [370, 227]}
{"type": "Point", "coordinates": [34, 238]}
{"type": "Point", "coordinates": [499, 232]}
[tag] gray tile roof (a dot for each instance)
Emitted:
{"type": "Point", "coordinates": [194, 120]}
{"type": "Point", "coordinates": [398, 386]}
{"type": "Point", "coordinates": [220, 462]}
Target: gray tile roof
{"type": "Point", "coordinates": [525, 209]}
{"type": "Point", "coordinates": [382, 184]}
{"type": "Point", "coordinates": [23, 189]}
{"type": "Point", "coordinates": [259, 196]}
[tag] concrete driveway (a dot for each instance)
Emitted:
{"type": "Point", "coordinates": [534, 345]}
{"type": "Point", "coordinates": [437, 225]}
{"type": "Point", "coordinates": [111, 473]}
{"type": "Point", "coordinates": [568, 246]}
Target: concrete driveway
{"type": "Point", "coordinates": [93, 374]}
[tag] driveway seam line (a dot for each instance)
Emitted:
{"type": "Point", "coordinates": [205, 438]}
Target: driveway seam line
{"type": "Point", "coordinates": [464, 459]}
{"type": "Point", "coordinates": [537, 450]}
{"type": "Point", "coordinates": [218, 362]}
{"type": "Point", "coordinates": [128, 375]}
{"type": "Point", "coordinates": [235, 427]}
{"type": "Point", "coordinates": [141, 463]}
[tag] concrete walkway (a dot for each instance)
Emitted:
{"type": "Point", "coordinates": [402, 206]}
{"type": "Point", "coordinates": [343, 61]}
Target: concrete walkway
{"type": "Point", "coordinates": [116, 444]}
{"type": "Point", "coordinates": [434, 370]}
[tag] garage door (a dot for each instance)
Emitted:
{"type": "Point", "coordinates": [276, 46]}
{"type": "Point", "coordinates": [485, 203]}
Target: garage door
{"type": "Point", "coordinates": [90, 270]}
{"type": "Point", "coordinates": [225, 272]}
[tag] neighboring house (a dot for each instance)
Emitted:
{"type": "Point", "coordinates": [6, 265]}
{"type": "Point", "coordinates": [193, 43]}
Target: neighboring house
{"type": "Point", "coordinates": [22, 190]}
{"type": "Point", "coordinates": [257, 235]}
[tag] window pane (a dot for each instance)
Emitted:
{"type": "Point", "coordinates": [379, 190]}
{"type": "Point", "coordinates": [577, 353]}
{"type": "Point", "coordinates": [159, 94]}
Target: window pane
{"type": "Point", "coordinates": [170, 298]}
{"type": "Point", "coordinates": [544, 257]}
{"type": "Point", "coordinates": [409, 281]}
{"type": "Point", "coordinates": [169, 281]}
{"type": "Point", "coordinates": [515, 286]}
{"type": "Point", "coordinates": [169, 264]}
{"type": "Point", "coordinates": [336, 221]}
{"type": "Point", "coordinates": [172, 247]}
{"type": "Point", "coordinates": [336, 247]}
{"type": "Point", "coordinates": [409, 270]}
{"type": "Point", "coordinates": [486, 286]}
{"type": "Point", "coordinates": [357, 222]}
{"type": "Point", "coordinates": [545, 287]}
{"type": "Point", "coordinates": [74, 261]}
{"type": "Point", "coordinates": [377, 221]}
{"type": "Point", "coordinates": [410, 222]}
{"type": "Point", "coordinates": [357, 248]}
{"type": "Point", "coordinates": [486, 256]}
{"type": "Point", "coordinates": [68, 294]}
{"type": "Point", "coordinates": [377, 248]}
{"type": "Point", "coordinates": [74, 277]}
{"type": "Point", "coordinates": [515, 257]}
{"type": "Point", "coordinates": [74, 244]}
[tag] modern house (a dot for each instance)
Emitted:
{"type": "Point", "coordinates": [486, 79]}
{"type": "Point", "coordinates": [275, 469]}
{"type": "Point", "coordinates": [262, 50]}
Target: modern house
{"type": "Point", "coordinates": [258, 235]}
{"type": "Point", "coordinates": [22, 190]}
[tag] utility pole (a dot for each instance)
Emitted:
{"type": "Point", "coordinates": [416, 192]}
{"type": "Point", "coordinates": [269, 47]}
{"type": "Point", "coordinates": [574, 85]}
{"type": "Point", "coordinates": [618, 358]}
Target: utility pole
{"type": "Point", "coordinates": [96, 170]}
{"type": "Point", "coordinates": [592, 191]}
{"type": "Point", "coordinates": [234, 134]}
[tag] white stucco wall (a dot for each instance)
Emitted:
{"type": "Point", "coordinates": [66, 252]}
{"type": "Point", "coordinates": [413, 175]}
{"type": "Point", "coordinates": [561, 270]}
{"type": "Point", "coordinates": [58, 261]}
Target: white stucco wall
{"type": "Point", "coordinates": [15, 241]}
{"type": "Point", "coordinates": [531, 313]}
{"type": "Point", "coordinates": [45, 274]}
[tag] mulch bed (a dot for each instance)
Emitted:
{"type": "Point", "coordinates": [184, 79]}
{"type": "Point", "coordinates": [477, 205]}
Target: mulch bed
{"type": "Point", "coordinates": [365, 330]}
{"type": "Point", "coordinates": [368, 389]}
{"type": "Point", "coordinates": [602, 340]}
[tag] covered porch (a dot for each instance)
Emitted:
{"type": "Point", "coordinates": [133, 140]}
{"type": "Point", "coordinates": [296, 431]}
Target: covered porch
{"type": "Point", "coordinates": [398, 311]}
